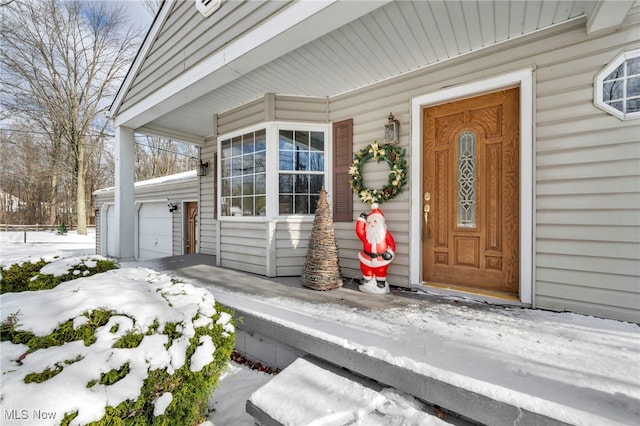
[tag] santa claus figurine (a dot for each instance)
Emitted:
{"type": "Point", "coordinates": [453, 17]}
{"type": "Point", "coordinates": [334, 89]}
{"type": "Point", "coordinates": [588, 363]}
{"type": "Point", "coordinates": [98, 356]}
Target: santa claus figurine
{"type": "Point", "coordinates": [378, 250]}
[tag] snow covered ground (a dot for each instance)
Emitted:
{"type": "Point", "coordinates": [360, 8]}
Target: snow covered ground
{"type": "Point", "coordinates": [61, 393]}
{"type": "Point", "coordinates": [585, 352]}
{"type": "Point", "coordinates": [45, 403]}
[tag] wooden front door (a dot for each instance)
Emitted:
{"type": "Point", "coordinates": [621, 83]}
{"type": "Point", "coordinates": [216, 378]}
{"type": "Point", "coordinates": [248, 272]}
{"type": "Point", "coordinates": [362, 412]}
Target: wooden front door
{"type": "Point", "coordinates": [471, 196]}
{"type": "Point", "coordinates": [191, 225]}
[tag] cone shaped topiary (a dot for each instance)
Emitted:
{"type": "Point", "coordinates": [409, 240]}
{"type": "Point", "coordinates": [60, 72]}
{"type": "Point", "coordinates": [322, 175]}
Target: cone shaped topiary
{"type": "Point", "coordinates": [321, 270]}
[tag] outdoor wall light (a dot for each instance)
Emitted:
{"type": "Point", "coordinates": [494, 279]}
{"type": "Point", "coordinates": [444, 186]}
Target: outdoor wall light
{"type": "Point", "coordinates": [202, 168]}
{"type": "Point", "coordinates": [392, 130]}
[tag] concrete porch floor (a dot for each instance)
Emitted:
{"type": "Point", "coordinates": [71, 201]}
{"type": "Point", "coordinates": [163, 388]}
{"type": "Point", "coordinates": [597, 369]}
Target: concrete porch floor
{"type": "Point", "coordinates": [417, 362]}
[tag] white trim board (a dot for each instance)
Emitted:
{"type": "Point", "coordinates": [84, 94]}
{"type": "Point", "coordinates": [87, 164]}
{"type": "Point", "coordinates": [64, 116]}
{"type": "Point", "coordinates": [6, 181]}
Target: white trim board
{"type": "Point", "coordinates": [522, 79]}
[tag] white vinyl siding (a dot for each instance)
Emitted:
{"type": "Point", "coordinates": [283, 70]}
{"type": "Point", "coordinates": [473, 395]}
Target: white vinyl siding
{"type": "Point", "coordinates": [291, 242]}
{"type": "Point", "coordinates": [587, 167]}
{"type": "Point", "coordinates": [244, 246]}
{"type": "Point", "coordinates": [207, 219]}
{"type": "Point", "coordinates": [187, 38]}
{"type": "Point", "coordinates": [176, 189]}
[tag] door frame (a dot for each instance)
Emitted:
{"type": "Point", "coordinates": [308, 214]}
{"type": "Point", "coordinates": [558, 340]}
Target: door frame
{"type": "Point", "coordinates": [524, 80]}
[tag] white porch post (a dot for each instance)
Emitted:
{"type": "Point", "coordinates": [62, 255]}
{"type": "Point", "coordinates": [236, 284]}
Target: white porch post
{"type": "Point", "coordinates": [124, 196]}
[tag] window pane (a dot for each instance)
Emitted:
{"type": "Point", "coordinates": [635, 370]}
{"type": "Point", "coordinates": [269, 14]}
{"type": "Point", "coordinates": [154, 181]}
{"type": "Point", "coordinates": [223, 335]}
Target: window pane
{"type": "Point", "coordinates": [247, 206]}
{"type": "Point", "coordinates": [236, 145]}
{"type": "Point", "coordinates": [467, 180]}
{"type": "Point", "coordinates": [612, 90]}
{"type": "Point", "coordinates": [236, 206]}
{"type": "Point", "coordinates": [302, 140]}
{"type": "Point", "coordinates": [261, 161]}
{"type": "Point", "coordinates": [261, 140]}
{"type": "Point", "coordinates": [261, 206]}
{"type": "Point", "coordinates": [286, 204]}
{"type": "Point", "coordinates": [633, 87]}
{"type": "Point", "coordinates": [302, 184]}
{"type": "Point", "coordinates": [315, 183]}
{"type": "Point", "coordinates": [286, 160]}
{"type": "Point", "coordinates": [225, 206]}
{"type": "Point", "coordinates": [226, 168]}
{"type": "Point", "coordinates": [302, 160]}
{"type": "Point", "coordinates": [247, 143]}
{"type": "Point", "coordinates": [226, 148]}
{"type": "Point", "coordinates": [633, 105]}
{"type": "Point", "coordinates": [617, 73]}
{"type": "Point", "coordinates": [317, 141]}
{"type": "Point", "coordinates": [261, 186]}
{"type": "Point", "coordinates": [247, 185]}
{"type": "Point", "coordinates": [226, 187]}
{"type": "Point", "coordinates": [317, 162]}
{"type": "Point", "coordinates": [286, 184]}
{"type": "Point", "coordinates": [286, 140]}
{"type": "Point", "coordinates": [236, 186]}
{"type": "Point", "coordinates": [302, 204]}
{"type": "Point", "coordinates": [633, 66]}
{"type": "Point", "coordinates": [619, 105]}
{"type": "Point", "coordinates": [313, 203]}
{"type": "Point", "coordinates": [236, 166]}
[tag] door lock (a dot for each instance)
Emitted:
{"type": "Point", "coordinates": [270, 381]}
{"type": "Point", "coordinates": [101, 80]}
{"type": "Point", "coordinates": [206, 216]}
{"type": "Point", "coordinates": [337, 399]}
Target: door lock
{"type": "Point", "coordinates": [427, 209]}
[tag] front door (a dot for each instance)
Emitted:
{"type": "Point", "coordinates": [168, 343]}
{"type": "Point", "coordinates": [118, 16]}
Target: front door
{"type": "Point", "coordinates": [471, 196]}
{"type": "Point", "coordinates": [191, 225]}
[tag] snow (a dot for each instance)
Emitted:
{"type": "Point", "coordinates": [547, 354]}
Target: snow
{"type": "Point", "coordinates": [330, 399]}
{"type": "Point", "coordinates": [162, 180]}
{"type": "Point", "coordinates": [573, 351]}
{"type": "Point", "coordinates": [140, 296]}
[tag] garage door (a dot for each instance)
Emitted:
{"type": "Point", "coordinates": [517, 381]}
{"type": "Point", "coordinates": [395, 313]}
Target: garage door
{"type": "Point", "coordinates": [154, 231]}
{"type": "Point", "coordinates": [110, 231]}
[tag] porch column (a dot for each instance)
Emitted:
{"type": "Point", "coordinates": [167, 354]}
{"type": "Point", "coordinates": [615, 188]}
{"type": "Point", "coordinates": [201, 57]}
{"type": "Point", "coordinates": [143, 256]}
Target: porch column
{"type": "Point", "coordinates": [124, 195]}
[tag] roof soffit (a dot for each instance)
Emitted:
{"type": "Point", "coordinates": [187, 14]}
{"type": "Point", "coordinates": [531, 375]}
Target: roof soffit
{"type": "Point", "coordinates": [295, 26]}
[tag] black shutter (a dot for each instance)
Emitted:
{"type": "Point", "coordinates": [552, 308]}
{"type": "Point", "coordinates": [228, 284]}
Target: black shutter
{"type": "Point", "coordinates": [342, 158]}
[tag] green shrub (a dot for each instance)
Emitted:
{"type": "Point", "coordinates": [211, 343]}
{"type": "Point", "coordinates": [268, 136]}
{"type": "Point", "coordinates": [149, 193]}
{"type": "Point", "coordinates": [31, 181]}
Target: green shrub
{"type": "Point", "coordinates": [16, 277]}
{"type": "Point", "coordinates": [190, 390]}
{"type": "Point", "coordinates": [27, 277]}
{"type": "Point", "coordinates": [64, 333]}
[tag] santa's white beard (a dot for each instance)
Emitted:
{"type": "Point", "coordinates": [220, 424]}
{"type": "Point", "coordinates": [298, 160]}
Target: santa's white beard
{"type": "Point", "coordinates": [376, 234]}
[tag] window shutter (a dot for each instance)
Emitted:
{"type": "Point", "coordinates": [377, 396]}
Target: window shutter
{"type": "Point", "coordinates": [342, 158]}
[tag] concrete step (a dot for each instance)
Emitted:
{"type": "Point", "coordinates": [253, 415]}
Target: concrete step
{"type": "Point", "coordinates": [313, 392]}
{"type": "Point", "coordinates": [278, 345]}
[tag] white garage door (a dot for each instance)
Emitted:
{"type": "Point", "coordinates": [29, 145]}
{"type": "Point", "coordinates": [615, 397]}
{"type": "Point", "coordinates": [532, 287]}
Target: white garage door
{"type": "Point", "coordinates": [110, 231]}
{"type": "Point", "coordinates": [154, 231]}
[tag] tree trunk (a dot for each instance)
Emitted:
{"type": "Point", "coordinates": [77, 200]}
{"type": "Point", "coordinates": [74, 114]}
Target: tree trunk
{"type": "Point", "coordinates": [81, 212]}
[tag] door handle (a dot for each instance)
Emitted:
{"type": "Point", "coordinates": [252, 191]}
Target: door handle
{"type": "Point", "coordinates": [426, 209]}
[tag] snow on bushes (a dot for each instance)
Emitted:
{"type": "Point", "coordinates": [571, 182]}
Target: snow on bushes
{"type": "Point", "coordinates": [43, 274]}
{"type": "Point", "coordinates": [128, 343]}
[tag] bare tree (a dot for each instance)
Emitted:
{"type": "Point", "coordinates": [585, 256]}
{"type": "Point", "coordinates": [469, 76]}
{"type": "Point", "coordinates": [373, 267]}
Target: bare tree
{"type": "Point", "coordinates": [157, 157]}
{"type": "Point", "coordinates": [62, 64]}
{"type": "Point", "coordinates": [152, 6]}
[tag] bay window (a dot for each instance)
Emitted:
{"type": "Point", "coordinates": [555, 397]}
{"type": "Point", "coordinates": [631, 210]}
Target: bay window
{"type": "Point", "coordinates": [276, 170]}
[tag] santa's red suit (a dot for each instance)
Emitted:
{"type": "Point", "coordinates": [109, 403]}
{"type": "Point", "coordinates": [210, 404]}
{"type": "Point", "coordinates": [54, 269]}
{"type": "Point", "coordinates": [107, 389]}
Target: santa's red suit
{"type": "Point", "coordinates": [378, 246]}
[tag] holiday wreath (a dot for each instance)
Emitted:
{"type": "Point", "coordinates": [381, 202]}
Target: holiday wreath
{"type": "Point", "coordinates": [397, 177]}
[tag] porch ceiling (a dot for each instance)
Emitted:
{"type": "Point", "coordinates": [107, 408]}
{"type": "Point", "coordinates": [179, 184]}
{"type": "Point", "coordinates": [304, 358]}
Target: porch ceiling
{"type": "Point", "coordinates": [394, 39]}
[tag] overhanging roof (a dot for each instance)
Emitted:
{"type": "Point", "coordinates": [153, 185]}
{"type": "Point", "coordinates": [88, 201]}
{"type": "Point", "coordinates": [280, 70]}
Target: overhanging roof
{"type": "Point", "coordinates": [333, 47]}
